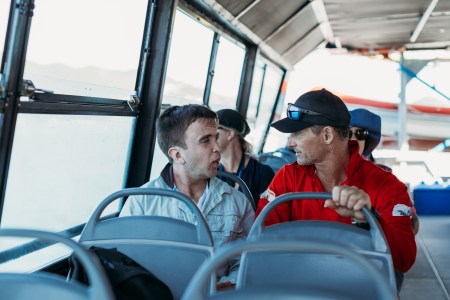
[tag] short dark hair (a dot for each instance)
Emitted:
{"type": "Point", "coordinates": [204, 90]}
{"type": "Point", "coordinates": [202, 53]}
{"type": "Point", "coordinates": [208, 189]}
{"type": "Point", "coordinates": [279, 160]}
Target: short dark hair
{"type": "Point", "coordinates": [174, 121]}
{"type": "Point", "coordinates": [342, 131]}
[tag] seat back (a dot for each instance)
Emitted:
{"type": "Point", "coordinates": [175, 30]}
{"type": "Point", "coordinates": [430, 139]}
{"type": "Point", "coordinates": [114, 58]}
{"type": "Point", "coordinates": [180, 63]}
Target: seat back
{"type": "Point", "coordinates": [364, 281]}
{"type": "Point", "coordinates": [370, 243]}
{"type": "Point", "coordinates": [287, 153]}
{"type": "Point", "coordinates": [241, 183]}
{"type": "Point", "coordinates": [273, 160]}
{"type": "Point", "coordinates": [40, 285]}
{"type": "Point", "coordinates": [171, 249]}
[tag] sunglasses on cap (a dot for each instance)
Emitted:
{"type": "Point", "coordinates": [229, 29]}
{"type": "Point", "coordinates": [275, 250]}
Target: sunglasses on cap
{"type": "Point", "coordinates": [359, 134]}
{"type": "Point", "coordinates": [295, 113]}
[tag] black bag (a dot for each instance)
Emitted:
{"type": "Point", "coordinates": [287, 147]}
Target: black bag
{"type": "Point", "coordinates": [129, 280]}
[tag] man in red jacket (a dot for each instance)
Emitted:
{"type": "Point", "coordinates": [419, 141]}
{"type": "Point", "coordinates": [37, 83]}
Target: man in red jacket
{"type": "Point", "coordinates": [328, 162]}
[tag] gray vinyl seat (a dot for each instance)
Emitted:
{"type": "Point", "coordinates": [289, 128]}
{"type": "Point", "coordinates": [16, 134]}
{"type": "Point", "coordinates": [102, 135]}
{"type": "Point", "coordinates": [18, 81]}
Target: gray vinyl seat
{"type": "Point", "coordinates": [241, 183]}
{"type": "Point", "coordinates": [171, 249]}
{"type": "Point", "coordinates": [273, 159]}
{"type": "Point", "coordinates": [41, 285]}
{"type": "Point", "coordinates": [287, 154]}
{"type": "Point", "coordinates": [371, 244]}
{"type": "Point", "coordinates": [375, 285]}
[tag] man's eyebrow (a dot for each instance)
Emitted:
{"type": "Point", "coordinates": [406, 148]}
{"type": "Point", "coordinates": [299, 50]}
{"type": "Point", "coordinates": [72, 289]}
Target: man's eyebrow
{"type": "Point", "coordinates": [204, 137]}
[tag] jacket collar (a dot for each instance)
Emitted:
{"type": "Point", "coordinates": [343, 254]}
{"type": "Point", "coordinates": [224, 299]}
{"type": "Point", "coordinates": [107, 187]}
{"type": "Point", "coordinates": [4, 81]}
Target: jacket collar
{"type": "Point", "coordinates": [215, 194]}
{"type": "Point", "coordinates": [356, 160]}
{"type": "Point", "coordinates": [167, 175]}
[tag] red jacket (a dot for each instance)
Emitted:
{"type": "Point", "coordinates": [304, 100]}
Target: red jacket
{"type": "Point", "coordinates": [384, 189]}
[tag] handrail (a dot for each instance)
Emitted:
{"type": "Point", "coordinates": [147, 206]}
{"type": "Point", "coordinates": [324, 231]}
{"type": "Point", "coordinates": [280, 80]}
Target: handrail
{"type": "Point", "coordinates": [241, 183]}
{"type": "Point", "coordinates": [38, 244]}
{"type": "Point", "coordinates": [99, 284]}
{"type": "Point", "coordinates": [199, 282]}
{"type": "Point", "coordinates": [203, 233]}
{"type": "Point", "coordinates": [376, 233]}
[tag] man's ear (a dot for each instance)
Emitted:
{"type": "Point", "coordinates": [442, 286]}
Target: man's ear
{"type": "Point", "coordinates": [328, 134]}
{"type": "Point", "coordinates": [176, 154]}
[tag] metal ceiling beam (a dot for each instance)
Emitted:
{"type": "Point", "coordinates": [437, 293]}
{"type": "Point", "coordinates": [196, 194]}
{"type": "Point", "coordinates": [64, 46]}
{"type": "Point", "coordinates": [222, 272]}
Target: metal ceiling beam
{"type": "Point", "coordinates": [423, 21]}
{"type": "Point", "coordinates": [319, 11]}
{"type": "Point", "coordinates": [287, 23]}
{"type": "Point", "coordinates": [251, 5]}
{"type": "Point", "coordinates": [322, 18]}
{"type": "Point", "coordinates": [268, 51]}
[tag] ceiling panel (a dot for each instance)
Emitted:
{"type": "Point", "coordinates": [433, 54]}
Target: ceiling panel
{"type": "Point", "coordinates": [235, 7]}
{"type": "Point", "coordinates": [292, 28]}
{"type": "Point", "coordinates": [313, 39]}
{"type": "Point", "coordinates": [267, 15]}
{"type": "Point", "coordinates": [438, 29]}
{"type": "Point", "coordinates": [371, 24]}
{"type": "Point", "coordinates": [337, 9]}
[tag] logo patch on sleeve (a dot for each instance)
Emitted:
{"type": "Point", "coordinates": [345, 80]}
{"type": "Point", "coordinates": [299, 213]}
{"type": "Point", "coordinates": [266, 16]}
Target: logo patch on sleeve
{"type": "Point", "coordinates": [401, 210]}
{"type": "Point", "coordinates": [268, 195]}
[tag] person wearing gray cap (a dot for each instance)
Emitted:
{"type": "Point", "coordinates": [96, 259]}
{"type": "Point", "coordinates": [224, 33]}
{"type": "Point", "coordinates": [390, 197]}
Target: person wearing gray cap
{"type": "Point", "coordinates": [236, 157]}
{"type": "Point", "coordinates": [318, 123]}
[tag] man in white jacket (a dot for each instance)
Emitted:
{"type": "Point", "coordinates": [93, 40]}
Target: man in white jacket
{"type": "Point", "coordinates": [188, 136]}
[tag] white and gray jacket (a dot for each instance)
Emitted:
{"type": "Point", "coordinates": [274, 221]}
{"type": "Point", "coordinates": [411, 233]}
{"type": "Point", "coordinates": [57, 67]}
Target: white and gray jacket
{"type": "Point", "coordinates": [227, 211]}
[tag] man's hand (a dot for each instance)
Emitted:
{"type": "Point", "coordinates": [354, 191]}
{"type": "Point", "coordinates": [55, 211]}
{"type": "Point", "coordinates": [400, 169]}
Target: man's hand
{"type": "Point", "coordinates": [221, 286]}
{"type": "Point", "coordinates": [348, 202]}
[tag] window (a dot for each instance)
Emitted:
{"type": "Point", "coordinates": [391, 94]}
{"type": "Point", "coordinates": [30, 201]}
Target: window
{"type": "Point", "coordinates": [227, 75]}
{"type": "Point", "coordinates": [4, 14]}
{"type": "Point", "coordinates": [271, 86]}
{"type": "Point", "coordinates": [71, 52]}
{"type": "Point", "coordinates": [33, 261]}
{"type": "Point", "coordinates": [253, 104]}
{"type": "Point", "coordinates": [62, 167]}
{"type": "Point", "coordinates": [190, 51]}
{"type": "Point", "coordinates": [159, 161]}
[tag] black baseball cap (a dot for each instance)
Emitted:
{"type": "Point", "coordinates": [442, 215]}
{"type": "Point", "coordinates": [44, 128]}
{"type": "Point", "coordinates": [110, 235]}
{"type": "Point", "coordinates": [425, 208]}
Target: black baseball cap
{"type": "Point", "coordinates": [319, 107]}
{"type": "Point", "coordinates": [232, 119]}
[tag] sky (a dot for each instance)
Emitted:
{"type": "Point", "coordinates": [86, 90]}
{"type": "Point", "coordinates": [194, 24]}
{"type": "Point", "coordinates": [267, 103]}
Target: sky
{"type": "Point", "coordinates": [366, 77]}
{"type": "Point", "coordinates": [112, 43]}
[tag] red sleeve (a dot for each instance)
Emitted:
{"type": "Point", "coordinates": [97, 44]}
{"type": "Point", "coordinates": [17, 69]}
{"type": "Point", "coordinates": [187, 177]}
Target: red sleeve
{"type": "Point", "coordinates": [277, 187]}
{"type": "Point", "coordinates": [397, 228]}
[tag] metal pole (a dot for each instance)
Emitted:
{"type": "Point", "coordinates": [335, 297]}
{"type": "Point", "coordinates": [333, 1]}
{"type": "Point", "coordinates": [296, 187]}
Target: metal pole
{"type": "Point", "coordinates": [402, 142]}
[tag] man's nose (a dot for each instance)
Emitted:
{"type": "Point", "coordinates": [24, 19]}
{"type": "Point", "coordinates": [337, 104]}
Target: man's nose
{"type": "Point", "coordinates": [290, 143]}
{"type": "Point", "coordinates": [216, 146]}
